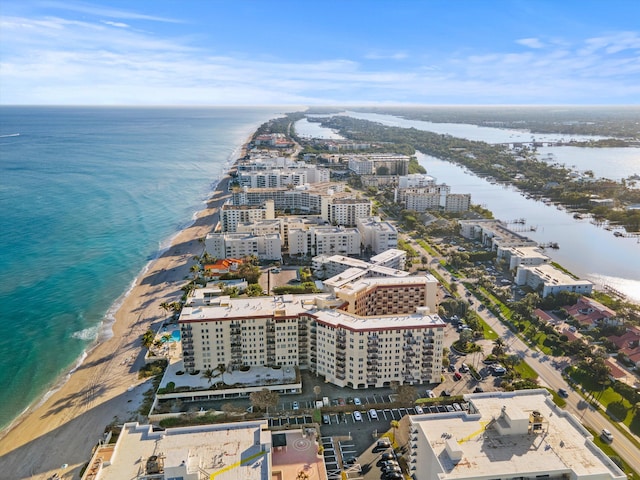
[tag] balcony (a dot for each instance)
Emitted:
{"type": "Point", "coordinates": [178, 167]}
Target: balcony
{"type": "Point", "coordinates": [372, 380]}
{"type": "Point", "coordinates": [407, 334]}
{"type": "Point", "coordinates": [189, 364]}
{"type": "Point", "coordinates": [372, 356]}
{"type": "Point", "coordinates": [341, 345]}
{"type": "Point", "coordinates": [340, 376]}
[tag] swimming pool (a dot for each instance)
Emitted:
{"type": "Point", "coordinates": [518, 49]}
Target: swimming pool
{"type": "Point", "coordinates": [174, 337]}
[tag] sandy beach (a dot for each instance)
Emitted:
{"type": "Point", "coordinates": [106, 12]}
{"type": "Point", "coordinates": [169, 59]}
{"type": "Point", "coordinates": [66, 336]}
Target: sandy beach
{"type": "Point", "coordinates": [58, 435]}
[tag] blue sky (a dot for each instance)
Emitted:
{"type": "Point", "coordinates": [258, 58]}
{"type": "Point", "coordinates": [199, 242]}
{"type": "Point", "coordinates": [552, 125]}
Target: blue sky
{"type": "Point", "coordinates": [320, 52]}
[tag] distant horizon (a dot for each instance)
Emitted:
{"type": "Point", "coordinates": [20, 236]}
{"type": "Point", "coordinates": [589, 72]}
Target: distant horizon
{"type": "Point", "coordinates": [345, 106]}
{"type": "Point", "coordinates": [281, 53]}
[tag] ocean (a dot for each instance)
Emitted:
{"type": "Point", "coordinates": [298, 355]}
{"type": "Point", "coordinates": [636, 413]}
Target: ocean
{"type": "Point", "coordinates": [88, 197]}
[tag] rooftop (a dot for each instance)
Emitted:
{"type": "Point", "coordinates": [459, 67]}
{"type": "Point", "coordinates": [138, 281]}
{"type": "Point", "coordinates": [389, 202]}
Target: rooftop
{"type": "Point", "coordinates": [339, 318]}
{"type": "Point", "coordinates": [552, 276]}
{"type": "Point", "coordinates": [223, 451]}
{"type": "Point", "coordinates": [512, 434]}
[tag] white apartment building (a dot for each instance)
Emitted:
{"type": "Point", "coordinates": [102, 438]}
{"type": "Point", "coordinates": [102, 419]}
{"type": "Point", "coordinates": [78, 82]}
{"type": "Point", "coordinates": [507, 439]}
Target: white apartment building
{"type": "Point", "coordinates": [416, 180]}
{"type": "Point", "coordinates": [493, 233]}
{"type": "Point", "coordinates": [308, 331]}
{"type": "Point", "coordinates": [261, 227]}
{"type": "Point", "coordinates": [231, 215]}
{"type": "Point", "coordinates": [324, 240]}
{"type": "Point", "coordinates": [370, 352]}
{"type": "Point", "coordinates": [506, 436]}
{"type": "Point", "coordinates": [523, 256]}
{"type": "Point", "coordinates": [345, 211]}
{"type": "Point", "coordinates": [378, 236]}
{"type": "Point", "coordinates": [548, 279]}
{"type": "Point", "coordinates": [423, 201]}
{"type": "Point", "coordinates": [274, 178]}
{"type": "Point", "coordinates": [380, 164]}
{"type": "Point", "coordinates": [327, 266]}
{"type": "Point", "coordinates": [238, 245]}
{"type": "Point", "coordinates": [457, 202]}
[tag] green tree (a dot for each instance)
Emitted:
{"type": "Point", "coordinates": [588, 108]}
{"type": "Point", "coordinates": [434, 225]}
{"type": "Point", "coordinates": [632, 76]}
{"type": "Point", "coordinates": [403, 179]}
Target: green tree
{"type": "Point", "coordinates": [209, 375]}
{"type": "Point", "coordinates": [254, 290]}
{"type": "Point", "coordinates": [148, 338]}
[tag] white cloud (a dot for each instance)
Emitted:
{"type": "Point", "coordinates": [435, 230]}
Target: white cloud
{"type": "Point", "coordinates": [56, 60]}
{"type": "Point", "coordinates": [115, 24]}
{"type": "Point", "coordinates": [531, 42]}
{"type": "Point", "coordinates": [386, 56]}
{"type": "Point", "coordinates": [98, 11]}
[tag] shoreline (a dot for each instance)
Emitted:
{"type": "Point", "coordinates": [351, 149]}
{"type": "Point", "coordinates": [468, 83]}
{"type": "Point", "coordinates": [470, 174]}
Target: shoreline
{"type": "Point", "coordinates": [102, 386]}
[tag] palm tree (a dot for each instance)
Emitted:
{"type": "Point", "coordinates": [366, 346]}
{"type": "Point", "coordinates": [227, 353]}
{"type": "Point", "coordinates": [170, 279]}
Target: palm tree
{"type": "Point", "coordinates": [209, 374]}
{"type": "Point", "coordinates": [147, 338]}
{"type": "Point", "coordinates": [221, 369]}
{"type": "Point", "coordinates": [166, 306]}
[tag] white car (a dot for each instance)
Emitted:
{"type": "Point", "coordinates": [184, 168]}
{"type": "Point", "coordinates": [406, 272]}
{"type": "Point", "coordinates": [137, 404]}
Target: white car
{"type": "Point", "coordinates": [357, 416]}
{"type": "Point", "coordinates": [357, 401]}
{"type": "Point", "coordinates": [606, 435]}
{"type": "Point", "coordinates": [373, 414]}
{"type": "Point", "coordinates": [419, 410]}
{"type": "Point", "coordinates": [430, 394]}
{"type": "Point", "coordinates": [296, 405]}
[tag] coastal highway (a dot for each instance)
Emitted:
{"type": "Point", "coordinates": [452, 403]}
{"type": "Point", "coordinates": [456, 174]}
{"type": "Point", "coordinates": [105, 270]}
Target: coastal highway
{"type": "Point", "coordinates": [549, 370]}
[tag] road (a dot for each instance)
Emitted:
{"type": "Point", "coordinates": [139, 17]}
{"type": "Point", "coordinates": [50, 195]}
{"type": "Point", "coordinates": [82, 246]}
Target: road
{"type": "Point", "coordinates": [550, 375]}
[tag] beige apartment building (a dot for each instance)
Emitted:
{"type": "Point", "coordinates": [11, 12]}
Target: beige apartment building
{"type": "Point", "coordinates": [316, 332]}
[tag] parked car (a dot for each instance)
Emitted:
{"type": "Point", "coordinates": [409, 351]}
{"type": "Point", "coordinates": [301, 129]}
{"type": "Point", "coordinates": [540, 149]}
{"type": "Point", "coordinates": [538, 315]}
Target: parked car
{"type": "Point", "coordinates": [296, 406]}
{"type": "Point", "coordinates": [445, 393]}
{"type": "Point", "coordinates": [464, 368]}
{"type": "Point", "coordinates": [326, 419]}
{"type": "Point", "coordinates": [478, 390]}
{"type": "Point", "coordinates": [384, 443]}
{"type": "Point", "coordinates": [419, 410]}
{"type": "Point", "coordinates": [373, 414]}
{"type": "Point", "coordinates": [387, 455]}
{"type": "Point", "coordinates": [450, 408]}
{"type": "Point", "coordinates": [357, 416]}
{"type": "Point", "coordinates": [498, 369]}
{"type": "Point", "coordinates": [563, 393]}
{"type": "Point", "coordinates": [457, 375]}
{"type": "Point", "coordinates": [357, 401]}
{"type": "Point", "coordinates": [452, 367]}
{"type": "Point", "coordinates": [430, 394]}
{"type": "Point", "coordinates": [457, 407]}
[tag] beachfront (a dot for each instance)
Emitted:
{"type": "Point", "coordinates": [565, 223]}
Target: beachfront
{"type": "Point", "coordinates": [57, 435]}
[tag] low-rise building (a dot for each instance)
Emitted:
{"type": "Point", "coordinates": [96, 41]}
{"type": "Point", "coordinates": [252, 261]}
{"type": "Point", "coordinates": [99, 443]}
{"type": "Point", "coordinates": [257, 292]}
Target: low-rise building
{"type": "Point", "coordinates": [504, 436]}
{"type": "Point", "coordinates": [525, 256]}
{"type": "Point", "coordinates": [549, 279]}
{"type": "Point", "coordinates": [188, 453]}
{"type": "Point", "coordinates": [494, 234]}
{"type": "Point", "coordinates": [384, 264]}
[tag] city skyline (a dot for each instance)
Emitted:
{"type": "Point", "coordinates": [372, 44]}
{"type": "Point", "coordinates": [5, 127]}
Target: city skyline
{"type": "Point", "coordinates": [289, 53]}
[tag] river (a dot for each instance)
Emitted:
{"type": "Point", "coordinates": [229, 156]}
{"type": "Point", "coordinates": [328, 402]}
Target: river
{"type": "Point", "coordinates": [588, 251]}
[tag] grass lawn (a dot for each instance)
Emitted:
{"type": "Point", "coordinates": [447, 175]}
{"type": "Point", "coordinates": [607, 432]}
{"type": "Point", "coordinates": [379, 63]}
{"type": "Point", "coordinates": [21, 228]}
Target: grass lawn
{"type": "Point", "coordinates": [427, 247]}
{"type": "Point", "coordinates": [526, 371]}
{"type": "Point", "coordinates": [618, 408]}
{"type": "Point", "coordinates": [487, 331]}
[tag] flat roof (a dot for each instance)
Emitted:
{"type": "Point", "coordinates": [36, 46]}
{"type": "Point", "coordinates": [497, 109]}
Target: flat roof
{"type": "Point", "coordinates": [340, 318]}
{"type": "Point", "coordinates": [222, 308]}
{"type": "Point", "coordinates": [370, 282]}
{"type": "Point", "coordinates": [553, 276]}
{"type": "Point", "coordinates": [561, 444]}
{"type": "Point", "coordinates": [230, 450]}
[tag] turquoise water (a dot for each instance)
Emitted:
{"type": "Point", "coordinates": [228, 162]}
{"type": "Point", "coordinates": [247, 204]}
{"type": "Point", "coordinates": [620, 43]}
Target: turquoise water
{"type": "Point", "coordinates": [88, 196]}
